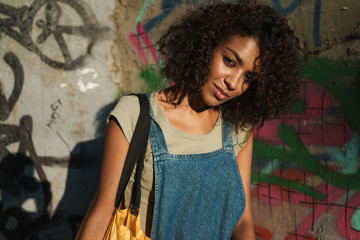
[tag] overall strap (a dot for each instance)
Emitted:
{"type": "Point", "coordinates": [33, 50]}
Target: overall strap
{"type": "Point", "coordinates": [226, 134]}
{"type": "Point", "coordinates": [157, 138]}
{"type": "Point", "coordinates": [136, 153]}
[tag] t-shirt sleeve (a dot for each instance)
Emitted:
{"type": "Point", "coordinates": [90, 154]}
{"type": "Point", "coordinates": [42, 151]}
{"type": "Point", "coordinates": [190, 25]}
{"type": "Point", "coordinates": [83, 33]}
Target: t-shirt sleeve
{"type": "Point", "coordinates": [126, 112]}
{"type": "Point", "coordinates": [239, 139]}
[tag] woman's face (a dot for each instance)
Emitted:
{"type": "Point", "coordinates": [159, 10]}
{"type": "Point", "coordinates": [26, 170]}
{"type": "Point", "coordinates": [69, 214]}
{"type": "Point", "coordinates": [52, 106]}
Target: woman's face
{"type": "Point", "coordinates": [231, 66]}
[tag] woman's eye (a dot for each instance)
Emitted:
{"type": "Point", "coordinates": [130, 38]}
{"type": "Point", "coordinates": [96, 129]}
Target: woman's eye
{"type": "Point", "coordinates": [228, 61]}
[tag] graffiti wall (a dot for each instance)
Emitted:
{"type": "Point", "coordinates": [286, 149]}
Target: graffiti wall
{"type": "Point", "coordinates": [63, 63]}
{"type": "Point", "coordinates": [306, 163]}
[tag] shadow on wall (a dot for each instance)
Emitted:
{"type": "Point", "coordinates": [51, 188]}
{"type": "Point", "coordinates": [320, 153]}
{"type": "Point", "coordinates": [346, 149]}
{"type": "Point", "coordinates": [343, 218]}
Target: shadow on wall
{"type": "Point", "coordinates": [25, 190]}
{"type": "Point", "coordinates": [19, 186]}
{"type": "Point", "coordinates": [83, 176]}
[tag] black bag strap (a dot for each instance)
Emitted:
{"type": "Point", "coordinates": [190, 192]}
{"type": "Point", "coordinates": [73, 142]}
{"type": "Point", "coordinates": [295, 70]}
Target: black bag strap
{"type": "Point", "coordinates": [136, 153]}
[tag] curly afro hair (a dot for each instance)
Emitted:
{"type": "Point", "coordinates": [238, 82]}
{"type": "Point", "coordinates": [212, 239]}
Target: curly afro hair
{"type": "Point", "coordinates": [187, 48]}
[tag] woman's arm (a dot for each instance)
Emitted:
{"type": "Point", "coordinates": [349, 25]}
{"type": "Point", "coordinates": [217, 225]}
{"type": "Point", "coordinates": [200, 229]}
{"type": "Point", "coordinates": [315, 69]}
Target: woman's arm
{"type": "Point", "coordinates": [245, 227]}
{"type": "Point", "coordinates": [116, 147]}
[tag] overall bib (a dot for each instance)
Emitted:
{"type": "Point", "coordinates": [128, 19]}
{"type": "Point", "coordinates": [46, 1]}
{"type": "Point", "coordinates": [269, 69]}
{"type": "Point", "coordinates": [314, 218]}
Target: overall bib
{"type": "Point", "coordinates": [197, 196]}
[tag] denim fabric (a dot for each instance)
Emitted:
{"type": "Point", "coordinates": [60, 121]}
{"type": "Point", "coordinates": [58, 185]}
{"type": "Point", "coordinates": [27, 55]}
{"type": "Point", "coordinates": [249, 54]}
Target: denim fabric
{"type": "Point", "coordinates": [197, 196]}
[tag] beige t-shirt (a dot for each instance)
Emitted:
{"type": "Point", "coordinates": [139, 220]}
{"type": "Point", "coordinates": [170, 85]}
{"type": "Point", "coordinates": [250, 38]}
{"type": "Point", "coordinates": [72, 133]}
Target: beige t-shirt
{"type": "Point", "coordinates": [127, 111]}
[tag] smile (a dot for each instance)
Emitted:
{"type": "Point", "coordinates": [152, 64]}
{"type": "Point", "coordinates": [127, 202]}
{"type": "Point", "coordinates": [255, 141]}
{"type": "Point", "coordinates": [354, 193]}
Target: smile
{"type": "Point", "coordinates": [220, 93]}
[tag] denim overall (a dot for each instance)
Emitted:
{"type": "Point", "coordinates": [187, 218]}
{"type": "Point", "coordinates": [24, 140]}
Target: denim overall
{"type": "Point", "coordinates": [197, 196]}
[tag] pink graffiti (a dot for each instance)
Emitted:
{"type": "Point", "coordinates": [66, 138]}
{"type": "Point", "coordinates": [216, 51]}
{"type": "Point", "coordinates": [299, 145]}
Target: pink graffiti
{"type": "Point", "coordinates": [333, 194]}
{"type": "Point", "coordinates": [275, 194]}
{"type": "Point", "coordinates": [344, 216]}
{"type": "Point", "coordinates": [302, 237]}
{"type": "Point", "coordinates": [142, 45]}
{"type": "Point", "coordinates": [263, 232]}
{"type": "Point", "coordinates": [321, 124]}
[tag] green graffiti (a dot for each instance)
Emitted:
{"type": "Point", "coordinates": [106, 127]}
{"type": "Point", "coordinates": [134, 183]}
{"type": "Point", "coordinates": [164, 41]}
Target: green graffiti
{"type": "Point", "coordinates": [298, 107]}
{"type": "Point", "coordinates": [296, 152]}
{"type": "Point", "coordinates": [355, 220]}
{"type": "Point", "coordinates": [347, 158]}
{"type": "Point", "coordinates": [142, 10]}
{"type": "Point", "coordinates": [341, 78]}
{"type": "Point", "coordinates": [301, 187]}
{"type": "Point", "coordinates": [118, 95]}
{"type": "Point", "coordinates": [153, 79]}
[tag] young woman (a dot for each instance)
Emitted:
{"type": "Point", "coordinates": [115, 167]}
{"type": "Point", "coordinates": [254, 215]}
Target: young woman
{"type": "Point", "coordinates": [229, 67]}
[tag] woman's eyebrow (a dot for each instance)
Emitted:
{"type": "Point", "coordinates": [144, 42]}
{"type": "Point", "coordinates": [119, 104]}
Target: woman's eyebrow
{"type": "Point", "coordinates": [235, 54]}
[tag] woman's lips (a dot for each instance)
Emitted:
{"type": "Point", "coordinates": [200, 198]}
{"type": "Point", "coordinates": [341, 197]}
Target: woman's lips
{"type": "Point", "coordinates": [220, 93]}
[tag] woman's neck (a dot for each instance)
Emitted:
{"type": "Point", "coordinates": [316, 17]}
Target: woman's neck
{"type": "Point", "coordinates": [187, 115]}
{"type": "Point", "coordinates": [194, 102]}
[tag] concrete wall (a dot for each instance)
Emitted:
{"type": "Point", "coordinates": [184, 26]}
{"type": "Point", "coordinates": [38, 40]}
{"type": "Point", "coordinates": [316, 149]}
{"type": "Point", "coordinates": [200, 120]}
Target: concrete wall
{"type": "Point", "coordinates": [64, 62]}
{"type": "Point", "coordinates": [56, 87]}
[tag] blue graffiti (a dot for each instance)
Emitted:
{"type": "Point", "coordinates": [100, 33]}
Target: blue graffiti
{"type": "Point", "coordinates": [167, 7]}
{"type": "Point", "coordinates": [347, 158]}
{"type": "Point", "coordinates": [285, 11]}
{"type": "Point", "coordinates": [291, 8]}
{"type": "Point", "coordinates": [316, 26]}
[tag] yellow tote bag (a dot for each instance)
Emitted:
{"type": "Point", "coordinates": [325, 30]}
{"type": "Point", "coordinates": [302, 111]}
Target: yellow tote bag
{"type": "Point", "coordinates": [125, 224]}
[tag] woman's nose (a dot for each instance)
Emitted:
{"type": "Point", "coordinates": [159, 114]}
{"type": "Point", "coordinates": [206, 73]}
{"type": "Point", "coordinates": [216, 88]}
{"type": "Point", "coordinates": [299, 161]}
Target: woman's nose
{"type": "Point", "coordinates": [232, 80]}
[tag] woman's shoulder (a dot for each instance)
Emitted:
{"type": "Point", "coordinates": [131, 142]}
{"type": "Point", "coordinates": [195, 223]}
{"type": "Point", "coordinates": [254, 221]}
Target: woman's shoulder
{"type": "Point", "coordinates": [127, 105]}
{"type": "Point", "coordinates": [240, 136]}
{"type": "Point", "coordinates": [127, 111]}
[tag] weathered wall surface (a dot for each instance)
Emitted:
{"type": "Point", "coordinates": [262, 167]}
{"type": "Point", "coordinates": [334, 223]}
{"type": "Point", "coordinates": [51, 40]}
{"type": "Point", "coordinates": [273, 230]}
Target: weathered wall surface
{"type": "Point", "coordinates": [55, 86]}
{"type": "Point", "coordinates": [62, 62]}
